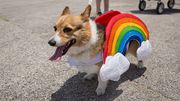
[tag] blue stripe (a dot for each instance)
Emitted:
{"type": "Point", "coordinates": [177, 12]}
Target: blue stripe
{"type": "Point", "coordinates": [132, 35]}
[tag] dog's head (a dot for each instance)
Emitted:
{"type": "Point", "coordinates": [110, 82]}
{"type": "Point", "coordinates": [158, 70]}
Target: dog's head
{"type": "Point", "coordinates": [70, 31]}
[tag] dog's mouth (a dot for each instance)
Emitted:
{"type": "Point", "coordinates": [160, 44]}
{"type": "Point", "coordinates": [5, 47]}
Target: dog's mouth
{"type": "Point", "coordinates": [60, 51]}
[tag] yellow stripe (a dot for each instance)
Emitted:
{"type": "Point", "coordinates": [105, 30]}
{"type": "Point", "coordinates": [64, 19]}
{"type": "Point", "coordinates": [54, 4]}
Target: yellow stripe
{"type": "Point", "coordinates": [118, 31]}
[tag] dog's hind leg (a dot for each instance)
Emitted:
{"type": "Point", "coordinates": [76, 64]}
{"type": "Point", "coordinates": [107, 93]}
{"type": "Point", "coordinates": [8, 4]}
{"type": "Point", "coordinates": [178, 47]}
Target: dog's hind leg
{"type": "Point", "coordinates": [133, 46]}
{"type": "Point", "coordinates": [140, 64]}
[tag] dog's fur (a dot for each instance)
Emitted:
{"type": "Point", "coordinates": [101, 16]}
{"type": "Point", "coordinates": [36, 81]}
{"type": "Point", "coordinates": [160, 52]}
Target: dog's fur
{"type": "Point", "coordinates": [90, 40]}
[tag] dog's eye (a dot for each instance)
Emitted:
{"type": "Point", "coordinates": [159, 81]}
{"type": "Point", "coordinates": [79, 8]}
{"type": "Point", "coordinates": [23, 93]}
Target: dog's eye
{"type": "Point", "coordinates": [55, 29]}
{"type": "Point", "coordinates": [67, 29]}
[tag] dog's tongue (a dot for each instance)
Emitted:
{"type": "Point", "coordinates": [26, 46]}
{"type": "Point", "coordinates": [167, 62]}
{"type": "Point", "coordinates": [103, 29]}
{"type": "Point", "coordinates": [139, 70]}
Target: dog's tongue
{"type": "Point", "coordinates": [57, 55]}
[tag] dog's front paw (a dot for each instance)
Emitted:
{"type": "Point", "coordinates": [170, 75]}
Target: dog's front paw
{"type": "Point", "coordinates": [100, 91]}
{"type": "Point", "coordinates": [101, 86]}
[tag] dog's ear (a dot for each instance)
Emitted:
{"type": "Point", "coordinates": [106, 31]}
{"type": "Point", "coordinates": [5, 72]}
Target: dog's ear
{"type": "Point", "coordinates": [66, 11]}
{"type": "Point", "coordinates": [86, 14]}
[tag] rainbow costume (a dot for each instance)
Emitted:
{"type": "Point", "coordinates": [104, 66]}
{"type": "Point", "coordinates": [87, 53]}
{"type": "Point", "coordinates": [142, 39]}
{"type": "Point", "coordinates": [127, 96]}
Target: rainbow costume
{"type": "Point", "coordinates": [120, 30]}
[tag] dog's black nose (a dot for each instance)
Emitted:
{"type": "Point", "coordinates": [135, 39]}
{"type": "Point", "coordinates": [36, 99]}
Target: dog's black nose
{"type": "Point", "coordinates": [52, 42]}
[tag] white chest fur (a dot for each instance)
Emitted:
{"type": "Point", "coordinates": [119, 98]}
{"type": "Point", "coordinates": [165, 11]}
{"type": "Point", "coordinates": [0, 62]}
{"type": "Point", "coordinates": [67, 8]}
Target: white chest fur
{"type": "Point", "coordinates": [81, 54]}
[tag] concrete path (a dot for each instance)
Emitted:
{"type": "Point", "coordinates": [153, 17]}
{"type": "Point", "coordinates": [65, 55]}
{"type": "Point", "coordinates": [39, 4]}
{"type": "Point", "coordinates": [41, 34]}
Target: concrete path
{"type": "Point", "coordinates": [27, 74]}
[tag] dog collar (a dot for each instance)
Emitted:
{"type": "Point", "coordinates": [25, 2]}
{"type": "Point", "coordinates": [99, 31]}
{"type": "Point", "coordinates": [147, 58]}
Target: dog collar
{"type": "Point", "coordinates": [95, 60]}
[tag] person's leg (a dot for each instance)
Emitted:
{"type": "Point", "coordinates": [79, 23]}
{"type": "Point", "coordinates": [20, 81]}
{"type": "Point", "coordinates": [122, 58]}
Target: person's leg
{"type": "Point", "coordinates": [106, 6]}
{"type": "Point", "coordinates": [98, 8]}
{"type": "Point", "coordinates": [98, 5]}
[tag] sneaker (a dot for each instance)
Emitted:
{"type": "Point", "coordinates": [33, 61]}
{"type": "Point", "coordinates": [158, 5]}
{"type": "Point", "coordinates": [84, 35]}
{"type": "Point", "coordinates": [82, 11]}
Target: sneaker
{"type": "Point", "coordinates": [107, 11]}
{"type": "Point", "coordinates": [98, 14]}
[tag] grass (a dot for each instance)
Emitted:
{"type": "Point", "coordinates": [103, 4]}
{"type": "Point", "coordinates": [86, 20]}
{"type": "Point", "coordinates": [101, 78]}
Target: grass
{"type": "Point", "coordinates": [5, 19]}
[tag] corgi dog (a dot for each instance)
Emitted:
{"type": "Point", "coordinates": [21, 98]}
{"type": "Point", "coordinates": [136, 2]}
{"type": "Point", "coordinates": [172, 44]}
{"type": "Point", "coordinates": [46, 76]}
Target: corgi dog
{"type": "Point", "coordinates": [83, 40]}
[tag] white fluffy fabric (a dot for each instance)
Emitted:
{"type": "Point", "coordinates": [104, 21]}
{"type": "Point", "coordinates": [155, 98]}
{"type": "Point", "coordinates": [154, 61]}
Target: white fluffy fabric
{"type": "Point", "coordinates": [144, 51]}
{"type": "Point", "coordinates": [114, 67]}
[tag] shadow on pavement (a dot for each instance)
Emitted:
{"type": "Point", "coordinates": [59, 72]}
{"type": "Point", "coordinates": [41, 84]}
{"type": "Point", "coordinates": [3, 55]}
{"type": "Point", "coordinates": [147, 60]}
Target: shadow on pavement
{"type": "Point", "coordinates": [77, 89]}
{"type": "Point", "coordinates": [153, 11]}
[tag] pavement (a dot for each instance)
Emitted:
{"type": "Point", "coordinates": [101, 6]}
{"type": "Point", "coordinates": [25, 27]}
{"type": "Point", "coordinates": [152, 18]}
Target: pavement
{"type": "Point", "coordinates": [26, 74]}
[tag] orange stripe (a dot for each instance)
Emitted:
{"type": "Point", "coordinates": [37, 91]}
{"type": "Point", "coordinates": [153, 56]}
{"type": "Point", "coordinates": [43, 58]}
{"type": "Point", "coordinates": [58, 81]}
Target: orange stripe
{"type": "Point", "coordinates": [117, 24]}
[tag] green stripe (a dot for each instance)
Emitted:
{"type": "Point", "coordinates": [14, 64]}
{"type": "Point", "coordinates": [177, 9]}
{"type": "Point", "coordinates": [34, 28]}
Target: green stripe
{"type": "Point", "coordinates": [123, 33]}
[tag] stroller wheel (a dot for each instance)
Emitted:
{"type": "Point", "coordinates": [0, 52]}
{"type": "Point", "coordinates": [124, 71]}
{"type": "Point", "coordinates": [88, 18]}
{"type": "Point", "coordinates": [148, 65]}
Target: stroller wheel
{"type": "Point", "coordinates": [160, 8]}
{"type": "Point", "coordinates": [171, 4]}
{"type": "Point", "coordinates": [142, 5]}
